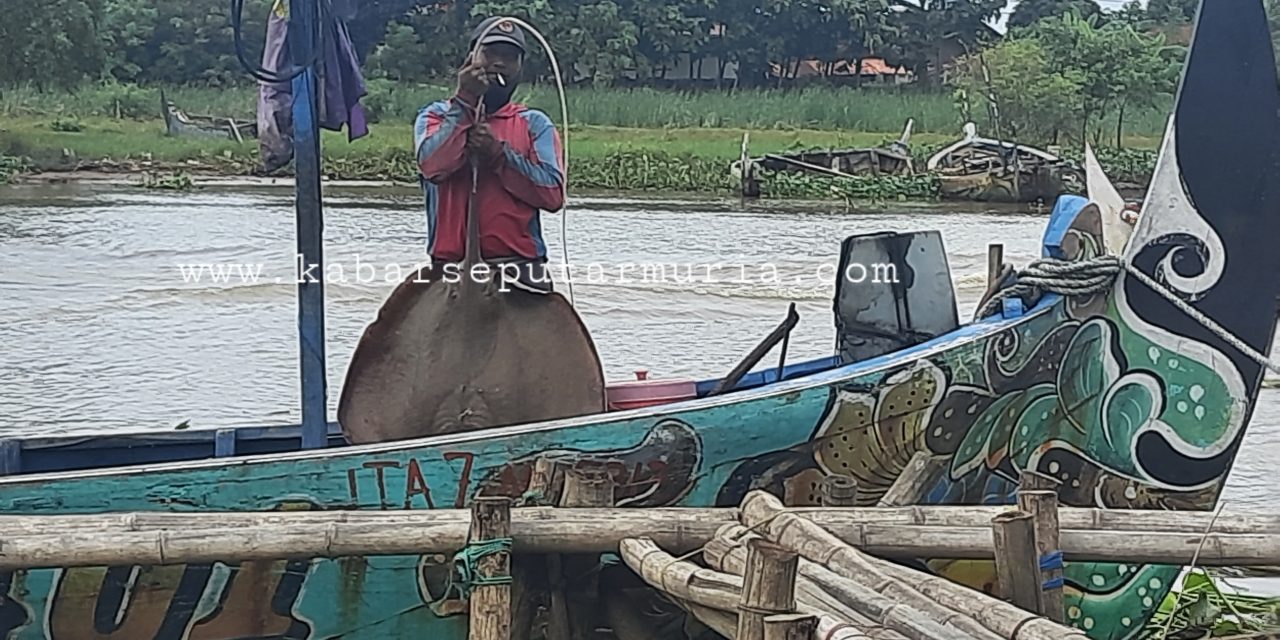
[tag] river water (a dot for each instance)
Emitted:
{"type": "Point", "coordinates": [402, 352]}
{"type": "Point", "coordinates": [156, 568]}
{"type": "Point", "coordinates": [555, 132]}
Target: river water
{"type": "Point", "coordinates": [101, 331]}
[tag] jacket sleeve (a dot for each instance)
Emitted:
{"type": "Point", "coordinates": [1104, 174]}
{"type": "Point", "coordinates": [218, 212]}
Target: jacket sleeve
{"type": "Point", "coordinates": [538, 181]}
{"type": "Point", "coordinates": [440, 137]}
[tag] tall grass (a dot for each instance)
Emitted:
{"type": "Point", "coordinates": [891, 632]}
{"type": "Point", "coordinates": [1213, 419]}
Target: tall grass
{"type": "Point", "coordinates": [871, 110]}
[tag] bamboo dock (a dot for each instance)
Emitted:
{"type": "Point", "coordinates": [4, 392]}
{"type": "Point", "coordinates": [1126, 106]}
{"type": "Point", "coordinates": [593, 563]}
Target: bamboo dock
{"type": "Point", "coordinates": [760, 570]}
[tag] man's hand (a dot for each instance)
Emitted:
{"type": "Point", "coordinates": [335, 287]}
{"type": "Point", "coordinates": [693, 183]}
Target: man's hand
{"type": "Point", "coordinates": [482, 146]}
{"type": "Point", "coordinates": [473, 80]}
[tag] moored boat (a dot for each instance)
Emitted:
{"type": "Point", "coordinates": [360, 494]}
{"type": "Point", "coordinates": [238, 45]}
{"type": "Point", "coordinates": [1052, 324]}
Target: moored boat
{"type": "Point", "coordinates": [1129, 396]}
{"type": "Point", "coordinates": [893, 159]}
{"type": "Point", "coordinates": [986, 170]}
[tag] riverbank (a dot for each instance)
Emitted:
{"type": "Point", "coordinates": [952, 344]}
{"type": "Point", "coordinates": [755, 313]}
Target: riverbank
{"type": "Point", "coordinates": [618, 159]}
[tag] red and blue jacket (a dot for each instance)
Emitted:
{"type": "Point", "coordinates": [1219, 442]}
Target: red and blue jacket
{"type": "Point", "coordinates": [527, 178]}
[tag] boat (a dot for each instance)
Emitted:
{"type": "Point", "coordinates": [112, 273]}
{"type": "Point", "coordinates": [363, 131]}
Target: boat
{"type": "Point", "coordinates": [986, 170]}
{"type": "Point", "coordinates": [1135, 394]}
{"type": "Point", "coordinates": [893, 159]}
{"type": "Point", "coordinates": [181, 124]}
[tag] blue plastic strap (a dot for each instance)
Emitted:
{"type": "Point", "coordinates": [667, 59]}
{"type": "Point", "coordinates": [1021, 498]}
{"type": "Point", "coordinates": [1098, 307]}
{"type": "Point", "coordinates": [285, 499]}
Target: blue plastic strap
{"type": "Point", "coordinates": [1051, 560]}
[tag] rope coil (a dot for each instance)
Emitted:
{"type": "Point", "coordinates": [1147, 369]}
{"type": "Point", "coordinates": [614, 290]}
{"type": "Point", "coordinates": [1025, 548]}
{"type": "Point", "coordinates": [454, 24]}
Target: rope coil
{"type": "Point", "coordinates": [1096, 275]}
{"type": "Point", "coordinates": [464, 568]}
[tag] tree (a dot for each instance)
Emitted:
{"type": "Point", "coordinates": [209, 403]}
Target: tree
{"type": "Point", "coordinates": [52, 44]}
{"type": "Point", "coordinates": [1172, 11]}
{"type": "Point", "coordinates": [1028, 12]}
{"type": "Point", "coordinates": [924, 31]}
{"type": "Point", "coordinates": [1118, 65]}
{"type": "Point", "coordinates": [1035, 99]}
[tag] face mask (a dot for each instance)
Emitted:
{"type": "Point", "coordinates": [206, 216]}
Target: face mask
{"type": "Point", "coordinates": [498, 96]}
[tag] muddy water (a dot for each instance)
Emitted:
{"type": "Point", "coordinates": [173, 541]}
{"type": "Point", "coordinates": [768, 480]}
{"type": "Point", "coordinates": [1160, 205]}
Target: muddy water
{"type": "Point", "coordinates": [101, 331]}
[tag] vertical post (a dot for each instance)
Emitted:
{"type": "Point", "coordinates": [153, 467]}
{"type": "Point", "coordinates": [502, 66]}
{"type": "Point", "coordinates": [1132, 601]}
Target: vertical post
{"type": "Point", "coordinates": [995, 262]}
{"type": "Point", "coordinates": [584, 486]}
{"type": "Point", "coordinates": [790, 626]}
{"type": "Point", "coordinates": [10, 456]}
{"type": "Point", "coordinates": [304, 29]}
{"type": "Point", "coordinates": [224, 443]}
{"type": "Point", "coordinates": [490, 614]}
{"type": "Point", "coordinates": [1017, 566]}
{"type": "Point", "coordinates": [1043, 506]}
{"type": "Point", "coordinates": [839, 491]}
{"type": "Point", "coordinates": [533, 575]}
{"type": "Point", "coordinates": [768, 586]}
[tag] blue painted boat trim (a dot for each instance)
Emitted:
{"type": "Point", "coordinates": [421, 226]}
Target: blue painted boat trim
{"type": "Point", "coordinates": [821, 378]}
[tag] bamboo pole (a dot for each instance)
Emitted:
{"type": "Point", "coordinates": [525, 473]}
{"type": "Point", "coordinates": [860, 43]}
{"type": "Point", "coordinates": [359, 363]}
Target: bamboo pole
{"type": "Point", "coordinates": [1017, 570]}
{"type": "Point", "coordinates": [1135, 537]}
{"type": "Point", "coordinates": [820, 546]}
{"type": "Point", "coordinates": [1043, 507]}
{"type": "Point", "coordinates": [681, 579]}
{"type": "Point", "coordinates": [490, 614]}
{"type": "Point", "coordinates": [836, 621]}
{"type": "Point", "coordinates": [766, 514]}
{"type": "Point", "coordinates": [1070, 518]}
{"type": "Point", "coordinates": [920, 473]}
{"type": "Point", "coordinates": [819, 588]}
{"type": "Point", "coordinates": [768, 587]}
{"type": "Point", "coordinates": [839, 491]}
{"type": "Point", "coordinates": [790, 626]}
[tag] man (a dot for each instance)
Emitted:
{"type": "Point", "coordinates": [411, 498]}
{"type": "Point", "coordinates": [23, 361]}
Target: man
{"type": "Point", "coordinates": [518, 156]}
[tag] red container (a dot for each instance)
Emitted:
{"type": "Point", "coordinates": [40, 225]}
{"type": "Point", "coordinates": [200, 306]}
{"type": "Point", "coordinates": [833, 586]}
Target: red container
{"type": "Point", "coordinates": [647, 393]}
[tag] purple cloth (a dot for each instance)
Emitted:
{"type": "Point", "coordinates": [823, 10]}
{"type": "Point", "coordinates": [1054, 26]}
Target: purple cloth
{"type": "Point", "coordinates": [340, 92]}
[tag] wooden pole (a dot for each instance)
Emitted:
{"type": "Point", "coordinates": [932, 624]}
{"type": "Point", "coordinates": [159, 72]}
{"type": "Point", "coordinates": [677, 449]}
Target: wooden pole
{"type": "Point", "coordinates": [490, 616]}
{"type": "Point", "coordinates": [921, 472]}
{"type": "Point", "coordinates": [995, 260]}
{"type": "Point", "coordinates": [532, 574]}
{"type": "Point", "coordinates": [839, 491]}
{"type": "Point", "coordinates": [584, 486]}
{"type": "Point", "coordinates": [768, 587]}
{"type": "Point", "coordinates": [1043, 507]}
{"type": "Point", "coordinates": [1017, 565]}
{"type": "Point", "coordinates": [790, 626]}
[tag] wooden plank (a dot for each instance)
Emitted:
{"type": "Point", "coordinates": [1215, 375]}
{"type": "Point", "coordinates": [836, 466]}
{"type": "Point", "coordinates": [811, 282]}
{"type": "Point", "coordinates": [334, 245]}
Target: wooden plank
{"type": "Point", "coordinates": [1017, 568]}
{"type": "Point", "coordinates": [490, 614]}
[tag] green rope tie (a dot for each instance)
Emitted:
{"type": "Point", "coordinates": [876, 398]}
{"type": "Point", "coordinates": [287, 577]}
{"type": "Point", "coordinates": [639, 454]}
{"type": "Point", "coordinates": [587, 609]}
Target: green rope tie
{"type": "Point", "coordinates": [465, 578]}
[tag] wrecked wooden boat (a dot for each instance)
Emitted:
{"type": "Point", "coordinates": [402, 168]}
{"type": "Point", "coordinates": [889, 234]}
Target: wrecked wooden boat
{"type": "Point", "coordinates": [1132, 390]}
{"type": "Point", "coordinates": [985, 170]}
{"type": "Point", "coordinates": [891, 160]}
{"type": "Point", "coordinates": [182, 124]}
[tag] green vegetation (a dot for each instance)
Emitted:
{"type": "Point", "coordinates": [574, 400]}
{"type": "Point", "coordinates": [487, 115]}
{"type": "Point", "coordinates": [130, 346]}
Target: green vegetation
{"type": "Point", "coordinates": [1073, 78]}
{"type": "Point", "coordinates": [80, 84]}
{"type": "Point", "coordinates": [1203, 610]}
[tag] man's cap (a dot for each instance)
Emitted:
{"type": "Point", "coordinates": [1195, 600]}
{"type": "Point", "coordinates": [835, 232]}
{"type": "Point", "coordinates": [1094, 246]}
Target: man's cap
{"type": "Point", "coordinates": [505, 31]}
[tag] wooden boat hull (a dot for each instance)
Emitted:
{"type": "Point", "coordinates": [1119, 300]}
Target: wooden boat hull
{"type": "Point", "coordinates": [1121, 396]}
{"type": "Point", "coordinates": [1039, 184]}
